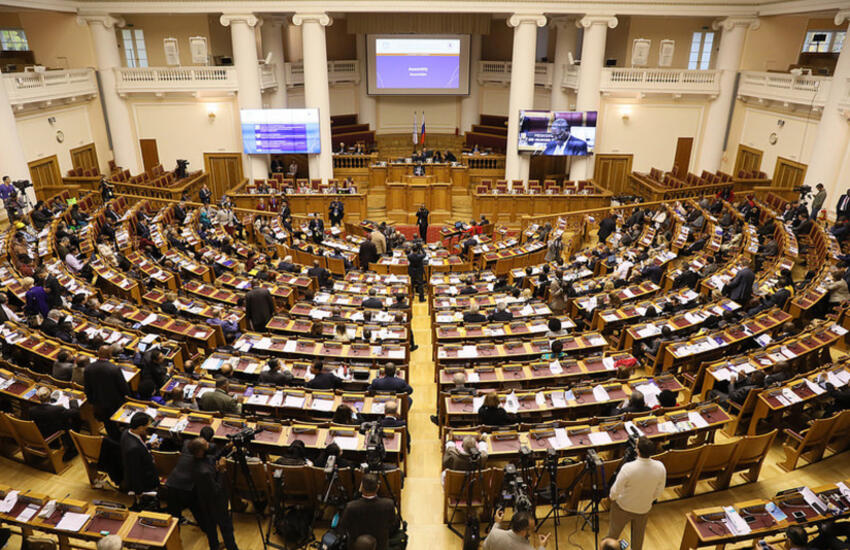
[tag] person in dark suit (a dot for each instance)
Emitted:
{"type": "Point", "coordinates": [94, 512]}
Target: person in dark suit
{"type": "Point", "coordinates": [180, 212]}
{"type": "Point", "coordinates": [842, 208]}
{"type": "Point", "coordinates": [322, 380]}
{"type": "Point", "coordinates": [317, 228]}
{"type": "Point", "coordinates": [607, 225]}
{"type": "Point", "coordinates": [180, 483]}
{"type": "Point", "coordinates": [210, 495]}
{"type": "Point", "coordinates": [492, 413]}
{"type": "Point", "coordinates": [368, 253]}
{"type": "Point", "coordinates": [106, 389]}
{"type": "Point", "coordinates": [389, 382]}
{"type": "Point", "coordinates": [468, 287]}
{"type": "Point", "coordinates": [274, 376]}
{"type": "Point", "coordinates": [564, 143]}
{"type": "Point", "coordinates": [501, 313]}
{"type": "Point", "coordinates": [51, 418]}
{"type": "Point", "coordinates": [259, 306]}
{"type": "Point", "coordinates": [369, 515]}
{"type": "Point", "coordinates": [740, 288]}
{"type": "Point", "coordinates": [473, 315]}
{"type": "Point", "coordinates": [321, 274]}
{"type": "Point", "coordinates": [372, 302]}
{"type": "Point", "coordinates": [336, 211]}
{"type": "Point", "coordinates": [422, 222]}
{"type": "Point", "coordinates": [686, 279]}
{"type": "Point", "coordinates": [139, 470]}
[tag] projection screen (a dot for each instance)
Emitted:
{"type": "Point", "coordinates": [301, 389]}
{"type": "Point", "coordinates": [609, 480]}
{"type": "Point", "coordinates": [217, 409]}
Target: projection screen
{"type": "Point", "coordinates": [418, 64]}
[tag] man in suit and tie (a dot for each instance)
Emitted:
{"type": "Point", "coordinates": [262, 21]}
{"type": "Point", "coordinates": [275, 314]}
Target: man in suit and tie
{"type": "Point", "coordinates": [842, 209]}
{"type": "Point", "coordinates": [389, 382]}
{"type": "Point", "coordinates": [564, 143]}
{"type": "Point", "coordinates": [139, 470]}
{"type": "Point", "coordinates": [105, 389]}
{"type": "Point", "coordinates": [50, 418]}
{"type": "Point", "coordinates": [372, 302]}
{"type": "Point", "coordinates": [740, 288]}
{"type": "Point", "coordinates": [368, 252]}
{"type": "Point", "coordinates": [259, 306]}
{"type": "Point", "coordinates": [317, 228]}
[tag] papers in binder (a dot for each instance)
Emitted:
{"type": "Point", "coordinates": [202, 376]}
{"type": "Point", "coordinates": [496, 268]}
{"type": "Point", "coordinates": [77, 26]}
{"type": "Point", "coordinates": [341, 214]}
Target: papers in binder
{"type": "Point", "coordinates": [512, 403]}
{"type": "Point", "coordinates": [833, 379]}
{"type": "Point", "coordinates": [599, 394]}
{"type": "Point", "coordinates": [667, 427]}
{"type": "Point", "coordinates": [290, 347]}
{"type": "Point", "coordinates": [473, 377]}
{"type": "Point", "coordinates": [789, 394]}
{"type": "Point", "coordinates": [597, 340]}
{"type": "Point", "coordinates": [72, 521]}
{"type": "Point", "coordinates": [555, 367]}
{"type": "Point", "coordinates": [816, 389]}
{"type": "Point", "coordinates": [468, 350]}
{"type": "Point", "coordinates": [264, 343]}
{"type": "Point", "coordinates": [648, 331]}
{"type": "Point", "coordinates": [697, 420]}
{"type": "Point", "coordinates": [9, 502]}
{"type": "Point", "coordinates": [477, 402]}
{"type": "Point", "coordinates": [608, 362]}
{"type": "Point", "coordinates": [722, 374]}
{"type": "Point", "coordinates": [148, 320]}
{"type": "Point", "coordinates": [838, 329]}
{"type": "Point", "coordinates": [258, 399]}
{"type": "Point", "coordinates": [560, 440]}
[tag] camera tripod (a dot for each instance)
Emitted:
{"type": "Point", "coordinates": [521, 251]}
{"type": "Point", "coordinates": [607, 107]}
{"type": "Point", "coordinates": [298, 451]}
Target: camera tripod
{"type": "Point", "coordinates": [470, 477]}
{"type": "Point", "coordinates": [239, 457]}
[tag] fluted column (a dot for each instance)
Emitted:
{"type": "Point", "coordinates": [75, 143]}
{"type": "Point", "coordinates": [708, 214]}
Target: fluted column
{"type": "Point", "coordinates": [587, 97]}
{"type": "Point", "coordinates": [316, 93]}
{"type": "Point", "coordinates": [833, 131]}
{"type": "Point", "coordinates": [728, 63]}
{"type": "Point", "coordinates": [272, 34]}
{"type": "Point", "coordinates": [367, 113]}
{"type": "Point", "coordinates": [124, 148]}
{"type": "Point", "coordinates": [470, 106]}
{"type": "Point", "coordinates": [565, 42]}
{"type": "Point", "coordinates": [522, 87]}
{"type": "Point", "coordinates": [248, 92]}
{"type": "Point", "coordinates": [13, 160]}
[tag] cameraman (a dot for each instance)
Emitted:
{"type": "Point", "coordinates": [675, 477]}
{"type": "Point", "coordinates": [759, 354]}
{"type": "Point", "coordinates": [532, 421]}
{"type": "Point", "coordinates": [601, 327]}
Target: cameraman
{"type": "Point", "coordinates": [210, 495]}
{"type": "Point", "coordinates": [369, 515]}
{"type": "Point", "coordinates": [515, 538]}
{"type": "Point", "coordinates": [637, 486]}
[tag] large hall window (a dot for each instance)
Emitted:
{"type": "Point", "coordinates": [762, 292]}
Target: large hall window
{"type": "Point", "coordinates": [823, 41]}
{"type": "Point", "coordinates": [13, 40]}
{"type": "Point", "coordinates": [134, 47]}
{"type": "Point", "coordinates": [701, 45]}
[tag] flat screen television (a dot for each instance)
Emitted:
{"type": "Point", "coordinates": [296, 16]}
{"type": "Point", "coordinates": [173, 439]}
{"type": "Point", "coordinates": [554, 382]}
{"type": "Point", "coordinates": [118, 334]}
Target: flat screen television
{"type": "Point", "coordinates": [280, 131]}
{"type": "Point", "coordinates": [557, 133]}
{"type": "Point", "coordinates": [418, 64]}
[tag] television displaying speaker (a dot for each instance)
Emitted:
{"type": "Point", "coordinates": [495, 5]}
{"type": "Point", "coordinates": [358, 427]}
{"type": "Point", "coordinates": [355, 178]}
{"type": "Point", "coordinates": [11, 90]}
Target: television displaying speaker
{"type": "Point", "coordinates": [557, 133]}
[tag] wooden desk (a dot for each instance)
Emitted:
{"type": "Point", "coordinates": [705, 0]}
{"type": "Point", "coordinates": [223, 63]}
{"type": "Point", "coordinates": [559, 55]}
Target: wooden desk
{"type": "Point", "coordinates": [313, 349]}
{"type": "Point", "coordinates": [510, 208]}
{"type": "Point", "coordinates": [396, 171]}
{"type": "Point", "coordinates": [404, 199]}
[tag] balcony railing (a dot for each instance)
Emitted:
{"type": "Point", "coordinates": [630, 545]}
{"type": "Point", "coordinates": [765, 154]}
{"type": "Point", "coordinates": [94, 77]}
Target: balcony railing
{"type": "Point", "coordinates": [34, 87]}
{"type": "Point", "coordinates": [186, 79]}
{"type": "Point", "coordinates": [500, 72]}
{"type": "Point", "coordinates": [343, 71]}
{"type": "Point", "coordinates": [810, 91]}
{"type": "Point", "coordinates": [615, 80]}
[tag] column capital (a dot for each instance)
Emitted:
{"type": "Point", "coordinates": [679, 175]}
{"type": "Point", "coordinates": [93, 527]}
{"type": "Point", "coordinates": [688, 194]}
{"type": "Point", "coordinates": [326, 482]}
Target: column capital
{"type": "Point", "coordinates": [108, 21]}
{"type": "Point", "coordinates": [730, 23]}
{"type": "Point", "coordinates": [561, 21]}
{"type": "Point", "coordinates": [321, 18]}
{"type": "Point", "coordinates": [842, 16]}
{"type": "Point", "coordinates": [518, 19]}
{"type": "Point", "coordinates": [249, 19]}
{"type": "Point", "coordinates": [609, 20]}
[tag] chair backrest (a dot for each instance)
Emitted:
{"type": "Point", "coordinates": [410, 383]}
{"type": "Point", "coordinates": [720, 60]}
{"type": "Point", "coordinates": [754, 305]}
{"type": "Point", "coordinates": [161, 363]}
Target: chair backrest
{"type": "Point", "coordinates": [718, 456]}
{"type": "Point", "coordinates": [754, 447]}
{"type": "Point", "coordinates": [88, 446]}
{"type": "Point", "coordinates": [28, 434]}
{"type": "Point", "coordinates": [819, 431]}
{"type": "Point", "coordinates": [336, 266]}
{"type": "Point", "coordinates": [680, 463]}
{"type": "Point", "coordinates": [165, 461]}
{"type": "Point", "coordinates": [455, 489]}
{"type": "Point", "coordinates": [258, 473]}
{"type": "Point", "coordinates": [297, 480]}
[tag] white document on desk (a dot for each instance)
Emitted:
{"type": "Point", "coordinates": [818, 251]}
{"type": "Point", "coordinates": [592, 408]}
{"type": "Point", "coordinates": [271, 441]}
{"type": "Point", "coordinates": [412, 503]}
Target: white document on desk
{"type": "Point", "coordinates": [697, 419]}
{"type": "Point", "coordinates": [599, 438]}
{"type": "Point", "coordinates": [814, 387]}
{"type": "Point", "coordinates": [599, 394]}
{"type": "Point", "coordinates": [346, 443]}
{"type": "Point", "coordinates": [28, 513]}
{"type": "Point", "coordinates": [325, 405]}
{"type": "Point", "coordinates": [72, 521]}
{"type": "Point", "coordinates": [558, 400]}
{"type": "Point", "coordinates": [294, 401]}
{"type": "Point", "coordinates": [735, 523]}
{"type": "Point", "coordinates": [9, 502]}
{"type": "Point", "coordinates": [555, 367]}
{"type": "Point", "coordinates": [561, 440]}
{"type": "Point", "coordinates": [276, 400]}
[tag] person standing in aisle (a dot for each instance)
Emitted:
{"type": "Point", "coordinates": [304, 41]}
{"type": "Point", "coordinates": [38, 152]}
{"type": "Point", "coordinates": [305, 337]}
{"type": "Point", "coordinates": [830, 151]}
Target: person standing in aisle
{"type": "Point", "coordinates": [422, 222]}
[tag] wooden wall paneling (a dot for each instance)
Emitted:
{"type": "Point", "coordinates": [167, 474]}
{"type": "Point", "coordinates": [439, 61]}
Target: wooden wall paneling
{"type": "Point", "coordinates": [748, 158]}
{"type": "Point", "coordinates": [788, 173]}
{"type": "Point", "coordinates": [611, 171]}
{"type": "Point", "coordinates": [84, 157]}
{"type": "Point", "coordinates": [225, 171]}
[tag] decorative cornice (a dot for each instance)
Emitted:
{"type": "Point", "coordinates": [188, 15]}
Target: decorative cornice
{"type": "Point", "coordinates": [518, 19]}
{"type": "Point", "coordinates": [274, 21]}
{"type": "Point", "coordinates": [108, 21]}
{"type": "Point", "coordinates": [321, 18]}
{"type": "Point", "coordinates": [730, 23]}
{"type": "Point", "coordinates": [842, 16]}
{"type": "Point", "coordinates": [561, 21]}
{"type": "Point", "coordinates": [588, 20]}
{"type": "Point", "coordinates": [249, 19]}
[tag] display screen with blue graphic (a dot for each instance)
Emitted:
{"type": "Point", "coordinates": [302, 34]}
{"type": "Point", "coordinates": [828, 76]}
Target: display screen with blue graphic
{"type": "Point", "coordinates": [280, 131]}
{"type": "Point", "coordinates": [418, 64]}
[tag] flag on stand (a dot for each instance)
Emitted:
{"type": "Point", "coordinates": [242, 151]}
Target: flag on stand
{"type": "Point", "coordinates": [422, 132]}
{"type": "Point", "coordinates": [415, 130]}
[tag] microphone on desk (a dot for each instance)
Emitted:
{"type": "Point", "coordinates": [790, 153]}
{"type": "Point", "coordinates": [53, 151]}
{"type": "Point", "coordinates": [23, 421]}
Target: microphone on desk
{"type": "Point", "coordinates": [330, 464]}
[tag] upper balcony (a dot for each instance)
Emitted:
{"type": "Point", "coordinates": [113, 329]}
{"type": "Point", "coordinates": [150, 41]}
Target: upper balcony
{"type": "Point", "coordinates": [616, 81]}
{"type": "Point", "coordinates": [786, 89]}
{"type": "Point", "coordinates": [339, 72]}
{"type": "Point", "coordinates": [186, 80]}
{"type": "Point", "coordinates": [31, 89]}
{"type": "Point", "coordinates": [499, 72]}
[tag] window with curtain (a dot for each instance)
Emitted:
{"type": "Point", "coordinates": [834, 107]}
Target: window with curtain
{"type": "Point", "coordinates": [134, 47]}
{"type": "Point", "coordinates": [702, 43]}
{"type": "Point", "coordinates": [13, 40]}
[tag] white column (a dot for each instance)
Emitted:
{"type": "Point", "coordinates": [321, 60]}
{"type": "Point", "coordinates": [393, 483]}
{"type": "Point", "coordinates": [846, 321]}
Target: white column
{"type": "Point", "coordinates": [248, 92]}
{"type": "Point", "coordinates": [565, 42]}
{"type": "Point", "coordinates": [587, 97]}
{"type": "Point", "coordinates": [728, 63]}
{"type": "Point", "coordinates": [470, 105]}
{"type": "Point", "coordinates": [124, 147]}
{"type": "Point", "coordinates": [522, 87]}
{"type": "Point", "coordinates": [272, 35]}
{"type": "Point", "coordinates": [316, 93]}
{"type": "Point", "coordinates": [367, 113]}
{"type": "Point", "coordinates": [13, 161]}
{"type": "Point", "coordinates": [833, 131]}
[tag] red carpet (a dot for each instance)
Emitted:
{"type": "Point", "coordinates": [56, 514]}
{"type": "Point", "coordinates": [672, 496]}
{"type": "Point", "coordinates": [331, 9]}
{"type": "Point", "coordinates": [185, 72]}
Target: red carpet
{"type": "Point", "coordinates": [410, 231]}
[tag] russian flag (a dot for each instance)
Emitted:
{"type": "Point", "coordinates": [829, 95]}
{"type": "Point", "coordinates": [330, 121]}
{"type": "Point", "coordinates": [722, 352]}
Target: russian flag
{"type": "Point", "coordinates": [422, 132]}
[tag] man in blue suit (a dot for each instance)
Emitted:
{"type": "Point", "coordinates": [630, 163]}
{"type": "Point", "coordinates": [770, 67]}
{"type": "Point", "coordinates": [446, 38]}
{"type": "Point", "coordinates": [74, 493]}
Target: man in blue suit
{"type": "Point", "coordinates": [389, 382]}
{"type": "Point", "coordinates": [564, 143]}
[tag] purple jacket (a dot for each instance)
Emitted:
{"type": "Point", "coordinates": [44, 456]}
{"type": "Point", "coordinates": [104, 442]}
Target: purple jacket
{"type": "Point", "coordinates": [37, 301]}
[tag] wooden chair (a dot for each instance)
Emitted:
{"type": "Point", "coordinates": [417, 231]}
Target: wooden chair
{"type": "Point", "coordinates": [164, 462]}
{"type": "Point", "coordinates": [565, 476]}
{"type": "Point", "coordinates": [35, 448]}
{"type": "Point", "coordinates": [257, 471]}
{"type": "Point", "coordinates": [741, 414]}
{"type": "Point", "coordinates": [464, 498]}
{"type": "Point", "coordinates": [716, 459]}
{"type": "Point", "coordinates": [336, 266]}
{"type": "Point", "coordinates": [88, 446]}
{"type": "Point", "coordinates": [681, 465]}
{"type": "Point", "coordinates": [811, 442]}
{"type": "Point", "coordinates": [839, 439]}
{"type": "Point", "coordinates": [297, 483]}
{"type": "Point", "coordinates": [9, 445]}
{"type": "Point", "coordinates": [752, 450]}
{"type": "Point", "coordinates": [40, 543]}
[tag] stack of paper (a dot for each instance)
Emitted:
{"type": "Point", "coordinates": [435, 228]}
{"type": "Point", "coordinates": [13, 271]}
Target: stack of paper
{"type": "Point", "coordinates": [561, 440]}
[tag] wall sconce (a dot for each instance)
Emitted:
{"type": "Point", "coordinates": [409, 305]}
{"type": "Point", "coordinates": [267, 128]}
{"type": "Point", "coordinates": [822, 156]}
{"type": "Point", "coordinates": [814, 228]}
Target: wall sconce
{"type": "Point", "coordinates": [211, 112]}
{"type": "Point", "coordinates": [625, 113]}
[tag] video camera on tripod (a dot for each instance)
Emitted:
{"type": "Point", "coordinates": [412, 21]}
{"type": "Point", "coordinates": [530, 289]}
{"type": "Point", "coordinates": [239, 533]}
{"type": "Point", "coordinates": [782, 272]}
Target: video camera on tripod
{"type": "Point", "coordinates": [376, 452]}
{"type": "Point", "coordinates": [515, 490]}
{"type": "Point", "coordinates": [244, 436]}
{"type": "Point", "coordinates": [804, 190]}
